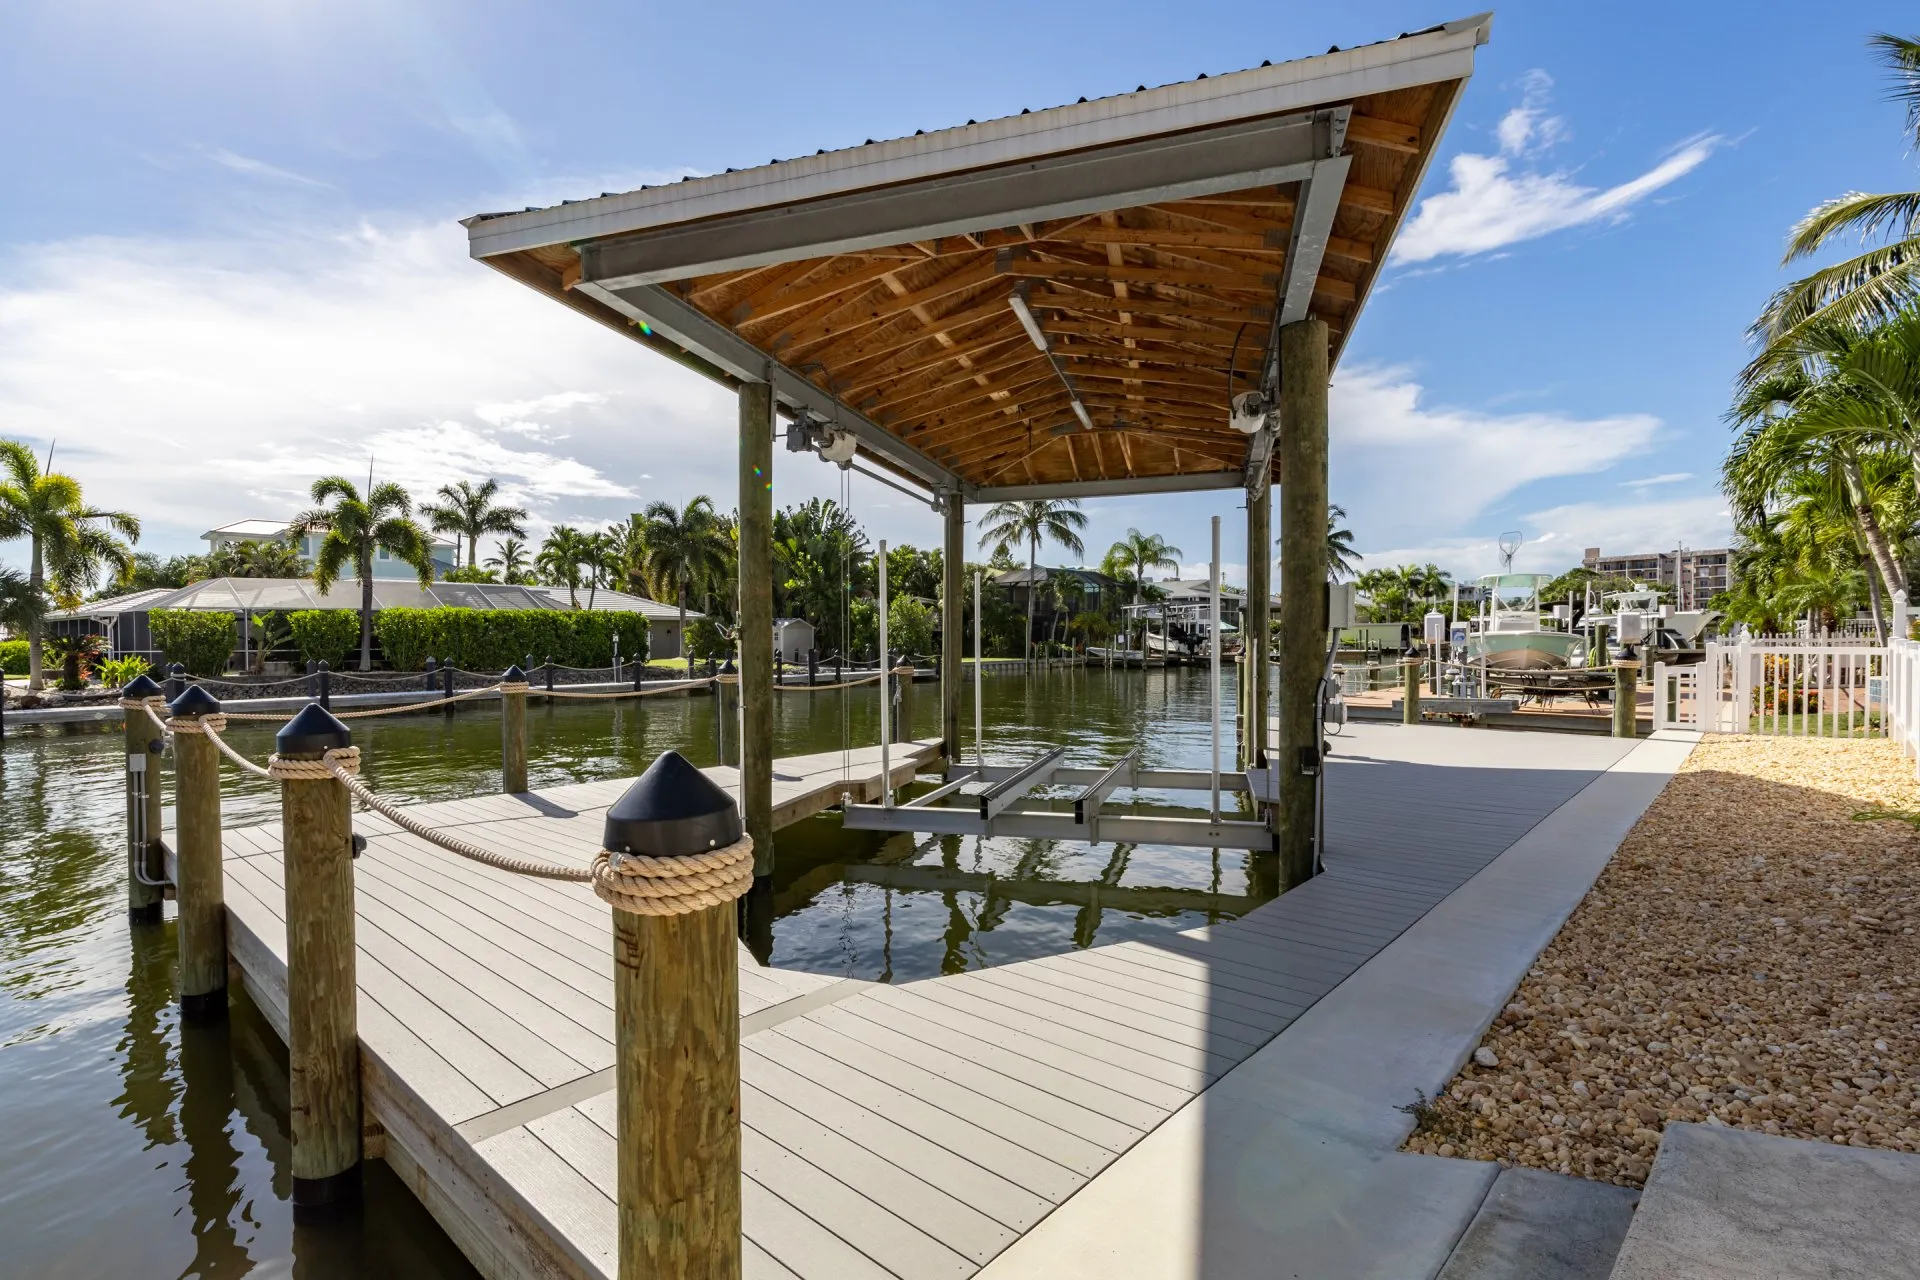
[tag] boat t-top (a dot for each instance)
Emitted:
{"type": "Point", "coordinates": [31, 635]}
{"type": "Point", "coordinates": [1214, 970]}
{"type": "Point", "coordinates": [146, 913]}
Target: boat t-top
{"type": "Point", "coordinates": [1509, 634]}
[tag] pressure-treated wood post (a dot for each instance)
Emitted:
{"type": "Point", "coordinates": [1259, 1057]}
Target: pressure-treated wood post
{"type": "Point", "coordinates": [952, 626]}
{"type": "Point", "coordinates": [676, 1003]}
{"type": "Point", "coordinates": [144, 799]}
{"type": "Point", "coordinates": [1303, 576]}
{"type": "Point", "coordinates": [199, 882]}
{"type": "Point", "coordinates": [1410, 694]}
{"type": "Point", "coordinates": [1626, 699]}
{"type": "Point", "coordinates": [1255, 621]}
{"type": "Point", "coordinates": [756, 619]}
{"type": "Point", "coordinates": [513, 730]}
{"type": "Point", "coordinates": [323, 1039]}
{"type": "Point", "coordinates": [903, 701]}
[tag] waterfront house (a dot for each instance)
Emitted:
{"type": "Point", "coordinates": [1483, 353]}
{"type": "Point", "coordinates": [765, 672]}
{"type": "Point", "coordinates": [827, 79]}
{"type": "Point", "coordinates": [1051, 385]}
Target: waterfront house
{"type": "Point", "coordinates": [443, 550]}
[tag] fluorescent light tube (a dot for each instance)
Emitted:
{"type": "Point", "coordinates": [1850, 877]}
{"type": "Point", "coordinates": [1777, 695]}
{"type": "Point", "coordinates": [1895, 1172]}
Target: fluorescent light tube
{"type": "Point", "coordinates": [1080, 412]}
{"type": "Point", "coordinates": [1027, 322]}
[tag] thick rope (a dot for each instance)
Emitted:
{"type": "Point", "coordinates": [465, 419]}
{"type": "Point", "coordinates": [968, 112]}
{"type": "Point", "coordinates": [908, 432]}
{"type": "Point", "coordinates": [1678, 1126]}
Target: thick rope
{"type": "Point", "coordinates": [625, 693]}
{"type": "Point", "coordinates": [823, 688]}
{"type": "Point", "coordinates": [430, 704]}
{"type": "Point", "coordinates": [211, 727]}
{"type": "Point", "coordinates": [647, 886]}
{"type": "Point", "coordinates": [152, 707]}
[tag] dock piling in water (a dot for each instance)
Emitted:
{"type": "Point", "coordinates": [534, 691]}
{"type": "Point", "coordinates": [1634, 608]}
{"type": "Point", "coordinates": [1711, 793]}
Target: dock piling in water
{"type": "Point", "coordinates": [1410, 690]}
{"type": "Point", "coordinates": [513, 730]}
{"type": "Point", "coordinates": [199, 876]}
{"type": "Point", "coordinates": [1626, 699]}
{"type": "Point", "coordinates": [323, 1041]}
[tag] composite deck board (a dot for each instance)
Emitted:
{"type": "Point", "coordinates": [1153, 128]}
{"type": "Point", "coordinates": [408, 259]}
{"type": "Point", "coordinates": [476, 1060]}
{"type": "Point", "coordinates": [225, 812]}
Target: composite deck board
{"type": "Point", "coordinates": [908, 1132]}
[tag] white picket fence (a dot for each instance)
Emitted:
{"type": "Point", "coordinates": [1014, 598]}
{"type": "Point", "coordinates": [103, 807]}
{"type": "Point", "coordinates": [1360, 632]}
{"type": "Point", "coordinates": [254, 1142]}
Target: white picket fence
{"type": "Point", "coordinates": [1903, 694]}
{"type": "Point", "coordinates": [1831, 687]}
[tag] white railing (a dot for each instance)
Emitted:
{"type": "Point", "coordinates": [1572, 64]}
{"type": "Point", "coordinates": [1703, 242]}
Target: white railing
{"type": "Point", "coordinates": [1902, 694]}
{"type": "Point", "coordinates": [1676, 696]}
{"type": "Point", "coordinates": [1831, 687]}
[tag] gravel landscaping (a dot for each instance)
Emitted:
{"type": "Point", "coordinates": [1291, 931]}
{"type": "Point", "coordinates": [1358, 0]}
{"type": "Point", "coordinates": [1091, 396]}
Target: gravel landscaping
{"type": "Point", "coordinates": [1749, 957]}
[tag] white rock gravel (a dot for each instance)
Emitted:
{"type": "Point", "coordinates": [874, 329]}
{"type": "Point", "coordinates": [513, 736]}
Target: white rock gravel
{"type": "Point", "coordinates": [1749, 957]}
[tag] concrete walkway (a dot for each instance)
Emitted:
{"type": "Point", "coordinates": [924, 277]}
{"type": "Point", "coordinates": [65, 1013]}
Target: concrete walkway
{"type": "Point", "coordinates": [1288, 1165]}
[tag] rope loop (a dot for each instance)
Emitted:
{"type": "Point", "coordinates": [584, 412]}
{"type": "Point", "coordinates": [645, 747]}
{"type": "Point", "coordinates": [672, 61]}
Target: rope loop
{"type": "Point", "coordinates": [647, 886]}
{"type": "Point", "coordinates": [338, 762]}
{"type": "Point", "coordinates": [514, 686]}
{"type": "Point", "coordinates": [197, 724]}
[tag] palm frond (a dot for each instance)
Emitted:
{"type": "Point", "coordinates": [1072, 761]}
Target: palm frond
{"type": "Point", "coordinates": [1901, 56]}
{"type": "Point", "coordinates": [1895, 213]}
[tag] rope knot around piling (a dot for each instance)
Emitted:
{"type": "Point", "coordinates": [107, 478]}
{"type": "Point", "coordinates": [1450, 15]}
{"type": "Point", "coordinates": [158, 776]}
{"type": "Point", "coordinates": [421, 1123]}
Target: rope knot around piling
{"type": "Point", "coordinates": [338, 762]}
{"type": "Point", "coordinates": [197, 724]}
{"type": "Point", "coordinates": [514, 686]}
{"type": "Point", "coordinates": [647, 886]}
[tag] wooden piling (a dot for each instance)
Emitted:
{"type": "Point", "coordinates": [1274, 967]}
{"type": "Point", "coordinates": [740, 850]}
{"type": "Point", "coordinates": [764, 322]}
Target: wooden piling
{"type": "Point", "coordinates": [1303, 577]}
{"type": "Point", "coordinates": [199, 874]}
{"type": "Point", "coordinates": [513, 731]}
{"type": "Point", "coordinates": [1410, 691]}
{"type": "Point", "coordinates": [1626, 699]}
{"type": "Point", "coordinates": [677, 1072]}
{"type": "Point", "coordinates": [1255, 619]}
{"type": "Point", "coordinates": [756, 619]}
{"type": "Point", "coordinates": [144, 800]}
{"type": "Point", "coordinates": [323, 1044]}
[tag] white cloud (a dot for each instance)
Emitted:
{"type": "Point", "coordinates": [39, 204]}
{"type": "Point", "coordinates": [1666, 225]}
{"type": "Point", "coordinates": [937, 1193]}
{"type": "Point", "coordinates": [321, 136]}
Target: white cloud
{"type": "Point", "coordinates": [1556, 536]}
{"type": "Point", "coordinates": [258, 168]}
{"type": "Point", "coordinates": [1403, 467]}
{"type": "Point", "coordinates": [1668, 477]}
{"type": "Point", "coordinates": [1502, 199]}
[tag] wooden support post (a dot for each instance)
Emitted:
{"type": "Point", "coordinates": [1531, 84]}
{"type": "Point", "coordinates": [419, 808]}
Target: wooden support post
{"type": "Point", "coordinates": [952, 626]}
{"type": "Point", "coordinates": [1626, 699]}
{"type": "Point", "coordinates": [144, 800]}
{"type": "Point", "coordinates": [1410, 695]}
{"type": "Point", "coordinates": [1256, 618]}
{"type": "Point", "coordinates": [323, 1040]}
{"type": "Point", "coordinates": [1303, 576]}
{"type": "Point", "coordinates": [676, 1017]}
{"type": "Point", "coordinates": [903, 702]}
{"type": "Point", "coordinates": [756, 619]}
{"type": "Point", "coordinates": [513, 731]}
{"type": "Point", "coordinates": [199, 875]}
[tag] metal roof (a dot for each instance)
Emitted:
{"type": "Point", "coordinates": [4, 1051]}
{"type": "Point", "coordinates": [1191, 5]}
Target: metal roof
{"type": "Point", "coordinates": [1160, 239]}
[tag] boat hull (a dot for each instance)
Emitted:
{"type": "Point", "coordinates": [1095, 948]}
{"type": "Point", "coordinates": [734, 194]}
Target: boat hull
{"type": "Point", "coordinates": [1527, 650]}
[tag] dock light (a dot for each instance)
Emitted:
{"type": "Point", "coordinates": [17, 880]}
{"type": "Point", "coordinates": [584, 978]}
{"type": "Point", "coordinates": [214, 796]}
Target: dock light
{"type": "Point", "coordinates": [671, 811]}
{"type": "Point", "coordinates": [1018, 300]}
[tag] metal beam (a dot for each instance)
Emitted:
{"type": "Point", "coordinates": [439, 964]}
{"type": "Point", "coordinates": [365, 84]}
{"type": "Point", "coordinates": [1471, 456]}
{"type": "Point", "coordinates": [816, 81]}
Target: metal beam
{"type": "Point", "coordinates": [1146, 779]}
{"type": "Point", "coordinates": [1192, 483]}
{"type": "Point", "coordinates": [1046, 893]}
{"type": "Point", "coordinates": [1086, 805]}
{"type": "Point", "coordinates": [1022, 824]}
{"type": "Point", "coordinates": [1313, 213]}
{"type": "Point", "coordinates": [1211, 161]}
{"type": "Point", "coordinates": [941, 792]}
{"type": "Point", "coordinates": [707, 338]}
{"type": "Point", "coordinates": [996, 798]}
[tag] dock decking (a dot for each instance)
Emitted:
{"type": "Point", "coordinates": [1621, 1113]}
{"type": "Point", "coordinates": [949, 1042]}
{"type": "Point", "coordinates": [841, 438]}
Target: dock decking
{"type": "Point", "coordinates": [911, 1131]}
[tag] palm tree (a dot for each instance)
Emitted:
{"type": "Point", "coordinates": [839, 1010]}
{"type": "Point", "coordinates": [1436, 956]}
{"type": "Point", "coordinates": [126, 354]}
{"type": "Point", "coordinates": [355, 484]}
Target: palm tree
{"type": "Point", "coordinates": [512, 562]}
{"type": "Point", "coordinates": [560, 558]}
{"type": "Point", "coordinates": [69, 541]}
{"type": "Point", "coordinates": [1342, 560]}
{"type": "Point", "coordinates": [355, 530]}
{"type": "Point", "coordinates": [1009, 524]}
{"type": "Point", "coordinates": [20, 605]}
{"type": "Point", "coordinates": [600, 553]}
{"type": "Point", "coordinates": [1138, 553]}
{"type": "Point", "coordinates": [689, 549]}
{"type": "Point", "coordinates": [250, 559]}
{"type": "Point", "coordinates": [468, 510]}
{"type": "Point", "coordinates": [1867, 287]}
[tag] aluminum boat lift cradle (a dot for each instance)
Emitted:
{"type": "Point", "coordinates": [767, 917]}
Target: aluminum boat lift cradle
{"type": "Point", "coordinates": [990, 811]}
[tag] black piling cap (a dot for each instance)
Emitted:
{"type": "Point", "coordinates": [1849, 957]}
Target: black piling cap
{"type": "Point", "coordinates": [311, 732]}
{"type": "Point", "coordinates": [513, 675]}
{"type": "Point", "coordinates": [727, 668]}
{"type": "Point", "coordinates": [140, 688]}
{"type": "Point", "coordinates": [670, 811]}
{"type": "Point", "coordinates": [196, 701]}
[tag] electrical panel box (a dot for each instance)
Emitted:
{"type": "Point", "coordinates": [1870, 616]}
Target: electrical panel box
{"type": "Point", "coordinates": [1433, 628]}
{"type": "Point", "coordinates": [1339, 606]}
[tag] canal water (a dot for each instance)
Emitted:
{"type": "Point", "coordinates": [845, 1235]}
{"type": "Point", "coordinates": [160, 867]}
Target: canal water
{"type": "Point", "coordinates": [135, 1147]}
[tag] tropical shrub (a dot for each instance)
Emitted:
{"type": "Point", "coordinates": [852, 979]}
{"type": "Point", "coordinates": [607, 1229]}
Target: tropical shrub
{"type": "Point", "coordinates": [494, 639]}
{"type": "Point", "coordinates": [324, 635]}
{"type": "Point", "coordinates": [13, 657]}
{"type": "Point", "coordinates": [200, 641]}
{"type": "Point", "coordinates": [116, 673]}
{"type": "Point", "coordinates": [909, 625]}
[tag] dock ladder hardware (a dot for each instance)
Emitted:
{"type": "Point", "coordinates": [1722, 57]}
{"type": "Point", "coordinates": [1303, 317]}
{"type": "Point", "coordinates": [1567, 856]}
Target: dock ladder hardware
{"type": "Point", "coordinates": [1001, 795]}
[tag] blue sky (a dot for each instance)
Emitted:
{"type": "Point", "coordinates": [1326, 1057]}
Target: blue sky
{"type": "Point", "coordinates": [229, 261]}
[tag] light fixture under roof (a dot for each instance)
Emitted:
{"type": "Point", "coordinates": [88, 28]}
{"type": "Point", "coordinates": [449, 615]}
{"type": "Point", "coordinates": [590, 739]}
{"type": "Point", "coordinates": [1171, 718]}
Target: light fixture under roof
{"type": "Point", "coordinates": [1018, 299]}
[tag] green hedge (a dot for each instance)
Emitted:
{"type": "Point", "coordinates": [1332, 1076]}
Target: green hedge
{"type": "Point", "coordinates": [325, 635]}
{"type": "Point", "coordinates": [13, 657]}
{"type": "Point", "coordinates": [494, 639]}
{"type": "Point", "coordinates": [202, 642]}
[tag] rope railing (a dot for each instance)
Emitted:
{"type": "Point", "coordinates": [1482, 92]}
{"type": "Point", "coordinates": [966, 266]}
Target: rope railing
{"type": "Point", "coordinates": [629, 882]}
{"type": "Point", "coordinates": [784, 687]}
{"type": "Point", "coordinates": [623, 693]}
{"type": "Point", "coordinates": [210, 726]}
{"type": "Point", "coordinates": [426, 703]}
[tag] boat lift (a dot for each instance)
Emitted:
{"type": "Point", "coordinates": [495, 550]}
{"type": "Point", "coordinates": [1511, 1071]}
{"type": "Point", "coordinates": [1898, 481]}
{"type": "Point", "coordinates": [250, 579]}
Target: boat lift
{"type": "Point", "coordinates": [984, 800]}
